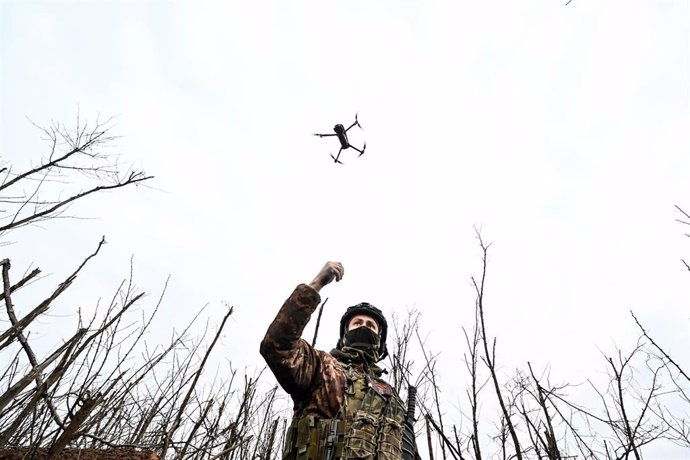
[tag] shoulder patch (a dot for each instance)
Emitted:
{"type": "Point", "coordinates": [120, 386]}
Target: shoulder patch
{"type": "Point", "coordinates": [381, 387]}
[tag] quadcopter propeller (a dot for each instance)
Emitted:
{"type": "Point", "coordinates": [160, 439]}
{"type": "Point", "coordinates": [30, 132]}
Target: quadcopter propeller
{"type": "Point", "coordinates": [337, 158]}
{"type": "Point", "coordinates": [361, 152]}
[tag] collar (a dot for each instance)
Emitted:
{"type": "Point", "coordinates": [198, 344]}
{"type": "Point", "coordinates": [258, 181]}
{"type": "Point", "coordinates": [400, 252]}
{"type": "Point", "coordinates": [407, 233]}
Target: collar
{"type": "Point", "coordinates": [348, 355]}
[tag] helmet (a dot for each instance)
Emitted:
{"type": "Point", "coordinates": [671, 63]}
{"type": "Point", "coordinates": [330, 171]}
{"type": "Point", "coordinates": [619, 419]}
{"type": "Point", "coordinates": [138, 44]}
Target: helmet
{"type": "Point", "coordinates": [365, 308]}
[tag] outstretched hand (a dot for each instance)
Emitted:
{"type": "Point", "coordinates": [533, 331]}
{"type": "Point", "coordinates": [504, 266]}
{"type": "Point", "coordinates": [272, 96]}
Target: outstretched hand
{"type": "Point", "coordinates": [329, 272]}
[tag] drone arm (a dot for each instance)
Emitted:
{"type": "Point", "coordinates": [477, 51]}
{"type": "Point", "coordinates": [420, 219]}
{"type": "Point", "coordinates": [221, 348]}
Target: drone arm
{"type": "Point", "coordinates": [361, 152]}
{"type": "Point", "coordinates": [336, 158]}
{"type": "Point", "coordinates": [353, 124]}
{"type": "Point", "coordinates": [324, 135]}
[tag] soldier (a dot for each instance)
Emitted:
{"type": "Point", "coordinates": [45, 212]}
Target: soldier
{"type": "Point", "coordinates": [342, 408]}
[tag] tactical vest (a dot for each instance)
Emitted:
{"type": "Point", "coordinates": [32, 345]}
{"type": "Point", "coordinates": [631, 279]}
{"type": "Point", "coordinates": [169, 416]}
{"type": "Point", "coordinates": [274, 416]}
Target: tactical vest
{"type": "Point", "coordinates": [369, 425]}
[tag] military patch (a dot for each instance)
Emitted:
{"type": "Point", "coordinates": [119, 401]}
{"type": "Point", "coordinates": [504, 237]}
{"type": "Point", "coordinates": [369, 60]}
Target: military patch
{"type": "Point", "coordinates": [381, 388]}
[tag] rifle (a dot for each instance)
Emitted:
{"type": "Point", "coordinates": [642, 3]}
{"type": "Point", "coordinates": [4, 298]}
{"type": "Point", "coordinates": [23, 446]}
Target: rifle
{"type": "Point", "coordinates": [409, 445]}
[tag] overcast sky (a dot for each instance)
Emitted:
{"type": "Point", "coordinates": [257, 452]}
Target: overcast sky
{"type": "Point", "coordinates": [560, 131]}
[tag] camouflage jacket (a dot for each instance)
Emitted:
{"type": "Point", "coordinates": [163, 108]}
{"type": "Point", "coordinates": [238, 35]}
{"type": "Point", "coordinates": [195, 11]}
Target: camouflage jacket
{"type": "Point", "coordinates": [313, 378]}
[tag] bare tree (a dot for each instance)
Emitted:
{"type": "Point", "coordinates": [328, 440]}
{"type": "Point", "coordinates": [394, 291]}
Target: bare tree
{"type": "Point", "coordinates": [77, 165]}
{"type": "Point", "coordinates": [490, 357]}
{"type": "Point", "coordinates": [636, 406]}
{"type": "Point", "coordinates": [471, 359]}
{"type": "Point", "coordinates": [103, 386]}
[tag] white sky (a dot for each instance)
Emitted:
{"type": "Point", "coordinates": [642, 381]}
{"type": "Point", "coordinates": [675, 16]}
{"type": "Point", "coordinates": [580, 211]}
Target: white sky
{"type": "Point", "coordinates": [561, 131]}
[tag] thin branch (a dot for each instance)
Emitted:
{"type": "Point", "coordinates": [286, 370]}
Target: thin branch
{"type": "Point", "coordinates": [644, 332]}
{"type": "Point", "coordinates": [318, 322]}
{"type": "Point", "coordinates": [134, 177]}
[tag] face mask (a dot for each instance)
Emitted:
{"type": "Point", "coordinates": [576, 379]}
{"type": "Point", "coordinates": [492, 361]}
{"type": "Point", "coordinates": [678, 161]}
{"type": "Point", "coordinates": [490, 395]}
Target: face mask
{"type": "Point", "coordinates": [362, 338]}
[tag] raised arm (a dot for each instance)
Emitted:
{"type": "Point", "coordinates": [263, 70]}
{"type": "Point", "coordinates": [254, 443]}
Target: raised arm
{"type": "Point", "coordinates": [291, 359]}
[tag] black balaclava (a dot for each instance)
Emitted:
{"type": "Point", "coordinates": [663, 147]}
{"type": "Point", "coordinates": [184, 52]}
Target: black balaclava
{"type": "Point", "coordinates": [362, 338]}
{"type": "Point", "coordinates": [362, 342]}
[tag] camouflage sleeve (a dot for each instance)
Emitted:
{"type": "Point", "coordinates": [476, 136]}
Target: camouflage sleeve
{"type": "Point", "coordinates": [291, 359]}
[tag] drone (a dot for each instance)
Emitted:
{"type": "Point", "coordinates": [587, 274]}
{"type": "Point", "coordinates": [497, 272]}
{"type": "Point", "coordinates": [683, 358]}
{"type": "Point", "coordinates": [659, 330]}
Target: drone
{"type": "Point", "coordinates": [341, 132]}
